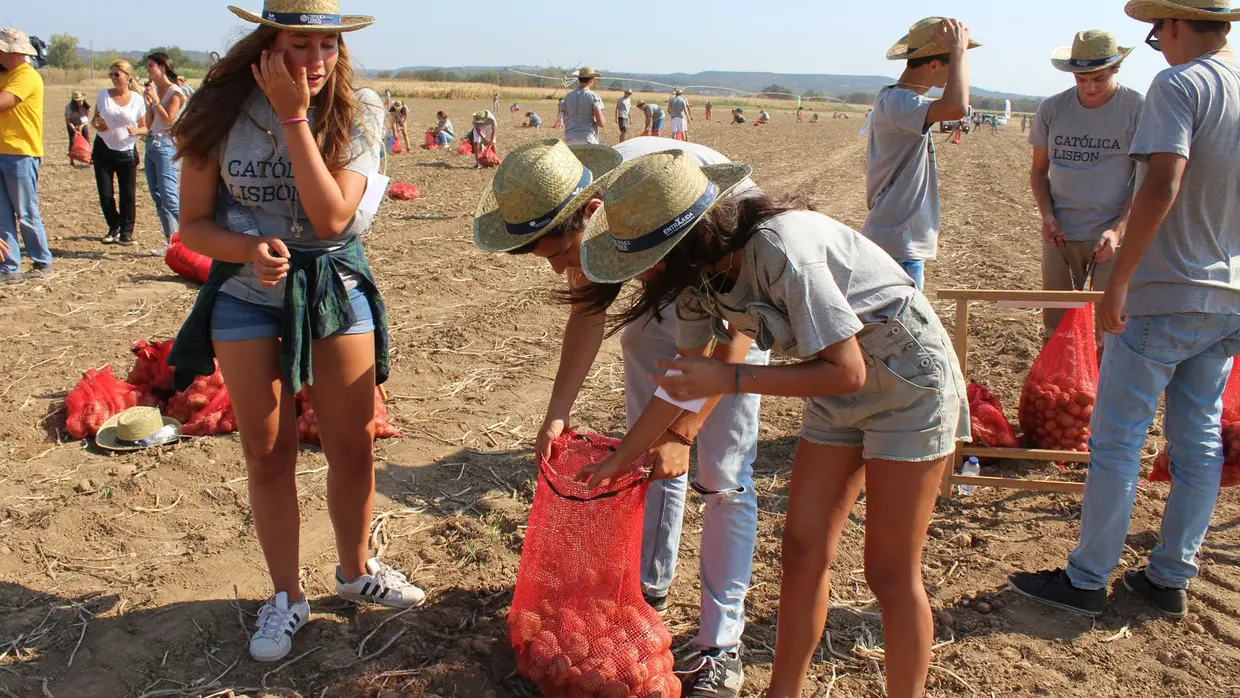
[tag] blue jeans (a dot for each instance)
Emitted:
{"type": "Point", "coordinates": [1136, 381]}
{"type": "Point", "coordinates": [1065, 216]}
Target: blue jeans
{"type": "Point", "coordinates": [19, 211]}
{"type": "Point", "coordinates": [163, 173]}
{"type": "Point", "coordinates": [727, 447]}
{"type": "Point", "coordinates": [443, 138]}
{"type": "Point", "coordinates": [916, 268]}
{"type": "Point", "coordinates": [1188, 356]}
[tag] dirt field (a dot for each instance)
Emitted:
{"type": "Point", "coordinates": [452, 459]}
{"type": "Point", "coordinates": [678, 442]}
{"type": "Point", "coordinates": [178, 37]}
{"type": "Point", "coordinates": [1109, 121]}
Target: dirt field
{"type": "Point", "coordinates": [118, 573]}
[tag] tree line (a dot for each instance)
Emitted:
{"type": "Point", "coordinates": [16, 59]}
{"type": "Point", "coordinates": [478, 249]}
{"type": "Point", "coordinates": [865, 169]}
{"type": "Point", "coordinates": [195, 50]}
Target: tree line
{"type": "Point", "coordinates": [62, 52]}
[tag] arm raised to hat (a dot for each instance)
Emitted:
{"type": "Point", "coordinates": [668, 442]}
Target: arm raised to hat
{"type": "Point", "coordinates": [954, 104]}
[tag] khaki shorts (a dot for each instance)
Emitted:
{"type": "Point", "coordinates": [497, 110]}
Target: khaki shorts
{"type": "Point", "coordinates": [1062, 266]}
{"type": "Point", "coordinates": [913, 406]}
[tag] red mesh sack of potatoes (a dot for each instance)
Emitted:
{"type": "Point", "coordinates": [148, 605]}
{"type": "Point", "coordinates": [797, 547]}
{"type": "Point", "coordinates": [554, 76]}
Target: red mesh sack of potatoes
{"type": "Point", "coordinates": [404, 192]}
{"type": "Point", "coordinates": [1231, 437]}
{"type": "Point", "coordinates": [430, 143]}
{"type": "Point", "coordinates": [98, 396]}
{"type": "Point", "coordinates": [80, 149]}
{"type": "Point", "coordinates": [990, 426]}
{"type": "Point", "coordinates": [465, 148]}
{"type": "Point", "coordinates": [184, 406]}
{"type": "Point", "coordinates": [489, 158]}
{"type": "Point", "coordinates": [1059, 394]}
{"type": "Point", "coordinates": [308, 422]}
{"type": "Point", "coordinates": [398, 148]}
{"type": "Point", "coordinates": [186, 262]}
{"type": "Point", "coordinates": [578, 624]}
{"type": "Point", "coordinates": [150, 366]}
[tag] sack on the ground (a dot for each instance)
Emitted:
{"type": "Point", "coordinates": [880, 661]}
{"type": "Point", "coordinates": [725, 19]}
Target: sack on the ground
{"type": "Point", "coordinates": [1231, 437]}
{"type": "Point", "coordinates": [185, 405]}
{"type": "Point", "coordinates": [398, 147]}
{"type": "Point", "coordinates": [404, 192]}
{"type": "Point", "coordinates": [308, 422]}
{"type": "Point", "coordinates": [578, 624]}
{"type": "Point", "coordinates": [216, 418]}
{"type": "Point", "coordinates": [80, 149]}
{"type": "Point", "coordinates": [489, 157]}
{"type": "Point", "coordinates": [98, 396]}
{"type": "Point", "coordinates": [431, 143]}
{"type": "Point", "coordinates": [150, 366]}
{"type": "Point", "coordinates": [1058, 399]}
{"type": "Point", "coordinates": [186, 262]}
{"type": "Point", "coordinates": [646, 132]}
{"type": "Point", "coordinates": [989, 425]}
{"type": "Point", "coordinates": [465, 148]}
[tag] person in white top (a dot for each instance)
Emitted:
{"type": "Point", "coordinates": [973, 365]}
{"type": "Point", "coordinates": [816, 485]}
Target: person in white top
{"type": "Point", "coordinates": [164, 101]}
{"type": "Point", "coordinates": [622, 114]}
{"type": "Point", "coordinates": [120, 120]}
{"type": "Point", "coordinates": [483, 135]}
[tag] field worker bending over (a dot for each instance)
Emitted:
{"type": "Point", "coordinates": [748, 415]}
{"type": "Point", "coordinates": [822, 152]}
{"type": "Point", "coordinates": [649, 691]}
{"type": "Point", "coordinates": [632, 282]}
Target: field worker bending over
{"type": "Point", "coordinates": [583, 109]}
{"type": "Point", "coordinates": [901, 173]}
{"type": "Point", "coordinates": [682, 115]}
{"type": "Point", "coordinates": [533, 120]}
{"type": "Point", "coordinates": [400, 123]}
{"type": "Point", "coordinates": [885, 402]}
{"type": "Point", "coordinates": [726, 437]}
{"type": "Point", "coordinates": [484, 134]}
{"type": "Point", "coordinates": [738, 115]}
{"type": "Point", "coordinates": [654, 117]}
{"type": "Point", "coordinates": [1082, 177]}
{"type": "Point", "coordinates": [763, 118]}
{"type": "Point", "coordinates": [1172, 313]}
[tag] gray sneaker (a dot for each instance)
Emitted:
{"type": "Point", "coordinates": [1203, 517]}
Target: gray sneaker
{"type": "Point", "coordinates": [714, 673]}
{"type": "Point", "coordinates": [41, 272]}
{"type": "Point", "coordinates": [12, 278]}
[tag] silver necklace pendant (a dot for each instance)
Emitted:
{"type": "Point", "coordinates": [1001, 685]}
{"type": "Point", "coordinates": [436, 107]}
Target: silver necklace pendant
{"type": "Point", "coordinates": [296, 228]}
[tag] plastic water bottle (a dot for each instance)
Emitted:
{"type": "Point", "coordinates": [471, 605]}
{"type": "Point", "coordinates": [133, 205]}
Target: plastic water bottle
{"type": "Point", "coordinates": [970, 467]}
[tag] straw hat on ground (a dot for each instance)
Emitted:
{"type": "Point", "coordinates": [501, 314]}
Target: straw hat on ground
{"type": "Point", "coordinates": [1090, 52]}
{"type": "Point", "coordinates": [1206, 10]}
{"type": "Point", "coordinates": [920, 41]}
{"type": "Point", "coordinates": [537, 187]}
{"type": "Point", "coordinates": [14, 40]}
{"type": "Point", "coordinates": [137, 428]}
{"type": "Point", "coordinates": [649, 205]}
{"type": "Point", "coordinates": [586, 71]}
{"type": "Point", "coordinates": [305, 16]}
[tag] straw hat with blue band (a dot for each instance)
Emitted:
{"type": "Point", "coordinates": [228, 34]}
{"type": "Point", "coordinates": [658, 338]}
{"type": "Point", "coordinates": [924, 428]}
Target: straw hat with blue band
{"type": "Point", "coordinates": [921, 41]}
{"type": "Point", "coordinates": [1204, 10]}
{"type": "Point", "coordinates": [137, 428]}
{"type": "Point", "coordinates": [649, 204]}
{"type": "Point", "coordinates": [1090, 52]}
{"type": "Point", "coordinates": [537, 187]}
{"type": "Point", "coordinates": [305, 16]}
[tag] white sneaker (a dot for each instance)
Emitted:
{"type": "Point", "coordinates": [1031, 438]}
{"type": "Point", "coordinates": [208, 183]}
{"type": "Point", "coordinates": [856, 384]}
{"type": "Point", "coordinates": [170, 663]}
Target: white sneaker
{"type": "Point", "coordinates": [277, 622]}
{"type": "Point", "coordinates": [382, 585]}
{"type": "Point", "coordinates": [159, 251]}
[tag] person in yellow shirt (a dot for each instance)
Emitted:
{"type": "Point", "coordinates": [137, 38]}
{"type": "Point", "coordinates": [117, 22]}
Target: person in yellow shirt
{"type": "Point", "coordinates": [21, 152]}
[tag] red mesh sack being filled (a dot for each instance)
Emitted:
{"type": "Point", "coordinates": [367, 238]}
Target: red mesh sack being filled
{"type": "Point", "coordinates": [80, 149]}
{"type": "Point", "coordinates": [990, 426]}
{"type": "Point", "coordinates": [1058, 399]}
{"type": "Point", "coordinates": [98, 396]}
{"type": "Point", "coordinates": [1231, 437]}
{"type": "Point", "coordinates": [398, 147]}
{"type": "Point", "coordinates": [404, 192]}
{"type": "Point", "coordinates": [489, 158]}
{"type": "Point", "coordinates": [308, 422]}
{"type": "Point", "coordinates": [465, 148]}
{"type": "Point", "coordinates": [430, 143]}
{"type": "Point", "coordinates": [186, 262]}
{"type": "Point", "coordinates": [578, 623]}
{"type": "Point", "coordinates": [150, 366]}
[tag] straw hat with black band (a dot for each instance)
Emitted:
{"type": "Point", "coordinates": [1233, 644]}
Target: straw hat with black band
{"type": "Point", "coordinates": [537, 187]}
{"type": "Point", "coordinates": [586, 71]}
{"type": "Point", "coordinates": [649, 205]}
{"type": "Point", "coordinates": [921, 41]}
{"type": "Point", "coordinates": [1090, 52]}
{"type": "Point", "coordinates": [305, 16]}
{"type": "Point", "coordinates": [1201, 10]}
{"type": "Point", "coordinates": [137, 428]}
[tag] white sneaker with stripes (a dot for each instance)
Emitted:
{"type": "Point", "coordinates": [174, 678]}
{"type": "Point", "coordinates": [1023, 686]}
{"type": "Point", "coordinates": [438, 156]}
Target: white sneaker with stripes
{"type": "Point", "coordinates": [277, 622]}
{"type": "Point", "coordinates": [381, 585]}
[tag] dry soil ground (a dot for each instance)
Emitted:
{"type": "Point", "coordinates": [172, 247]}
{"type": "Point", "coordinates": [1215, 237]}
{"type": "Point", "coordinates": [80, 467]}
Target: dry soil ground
{"type": "Point", "coordinates": [117, 573]}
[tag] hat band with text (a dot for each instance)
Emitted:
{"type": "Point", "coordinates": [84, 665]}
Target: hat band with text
{"type": "Point", "coordinates": [1091, 62]}
{"type": "Point", "coordinates": [538, 224]}
{"type": "Point", "coordinates": [667, 230]}
{"type": "Point", "coordinates": [303, 19]}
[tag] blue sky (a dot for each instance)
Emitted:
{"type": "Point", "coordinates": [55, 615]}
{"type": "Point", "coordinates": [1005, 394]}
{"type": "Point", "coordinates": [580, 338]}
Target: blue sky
{"type": "Point", "coordinates": [763, 35]}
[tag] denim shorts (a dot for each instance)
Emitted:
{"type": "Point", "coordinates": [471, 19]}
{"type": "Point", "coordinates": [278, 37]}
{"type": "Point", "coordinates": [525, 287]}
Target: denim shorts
{"type": "Point", "coordinates": [913, 406]}
{"type": "Point", "coordinates": [658, 123]}
{"type": "Point", "coordinates": [235, 320]}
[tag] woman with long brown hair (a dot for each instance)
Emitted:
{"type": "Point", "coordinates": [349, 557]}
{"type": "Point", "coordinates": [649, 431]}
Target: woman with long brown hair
{"type": "Point", "coordinates": [164, 101]}
{"type": "Point", "coordinates": [120, 120]}
{"type": "Point", "coordinates": [277, 151]}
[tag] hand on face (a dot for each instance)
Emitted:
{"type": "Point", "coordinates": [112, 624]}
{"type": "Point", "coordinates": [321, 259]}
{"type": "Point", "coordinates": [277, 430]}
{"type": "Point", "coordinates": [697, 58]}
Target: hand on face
{"type": "Point", "coordinates": [288, 92]}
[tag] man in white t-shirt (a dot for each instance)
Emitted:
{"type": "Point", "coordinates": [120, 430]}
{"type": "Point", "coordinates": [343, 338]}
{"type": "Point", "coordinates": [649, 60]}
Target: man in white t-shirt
{"type": "Point", "coordinates": [682, 114]}
{"type": "Point", "coordinates": [583, 109]}
{"type": "Point", "coordinates": [483, 135]}
{"type": "Point", "coordinates": [622, 114]}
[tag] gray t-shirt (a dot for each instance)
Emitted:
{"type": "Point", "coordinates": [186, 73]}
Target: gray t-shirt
{"type": "Point", "coordinates": [902, 177]}
{"type": "Point", "coordinates": [654, 111]}
{"type": "Point", "coordinates": [1091, 175]}
{"type": "Point", "coordinates": [622, 110]}
{"type": "Point", "coordinates": [1193, 264]}
{"type": "Point", "coordinates": [676, 106]}
{"type": "Point", "coordinates": [806, 282]}
{"type": "Point", "coordinates": [258, 174]}
{"type": "Point", "coordinates": [579, 106]}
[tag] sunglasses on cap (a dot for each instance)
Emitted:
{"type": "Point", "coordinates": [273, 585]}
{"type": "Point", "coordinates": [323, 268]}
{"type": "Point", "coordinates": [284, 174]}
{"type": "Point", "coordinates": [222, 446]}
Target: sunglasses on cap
{"type": "Point", "coordinates": [1151, 40]}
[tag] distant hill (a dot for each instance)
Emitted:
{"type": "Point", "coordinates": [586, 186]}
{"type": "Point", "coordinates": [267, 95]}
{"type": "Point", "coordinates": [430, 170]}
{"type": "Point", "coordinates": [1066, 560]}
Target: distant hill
{"type": "Point", "coordinates": [136, 57]}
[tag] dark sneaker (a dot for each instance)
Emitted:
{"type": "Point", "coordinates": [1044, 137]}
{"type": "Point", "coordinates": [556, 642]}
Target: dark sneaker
{"type": "Point", "coordinates": [126, 240]}
{"type": "Point", "coordinates": [713, 673]}
{"type": "Point", "coordinates": [1053, 588]}
{"type": "Point", "coordinates": [658, 603]}
{"type": "Point", "coordinates": [1173, 602]}
{"type": "Point", "coordinates": [12, 278]}
{"type": "Point", "coordinates": [41, 271]}
{"type": "Point", "coordinates": [110, 238]}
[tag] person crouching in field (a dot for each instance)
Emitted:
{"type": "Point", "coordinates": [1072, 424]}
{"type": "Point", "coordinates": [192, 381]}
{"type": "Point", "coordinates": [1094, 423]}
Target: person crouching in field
{"type": "Point", "coordinates": [1172, 311]}
{"type": "Point", "coordinates": [517, 216]}
{"type": "Point", "coordinates": [885, 400]}
{"type": "Point", "coordinates": [901, 173]}
{"type": "Point", "coordinates": [486, 128]}
{"type": "Point", "coordinates": [1082, 177]}
{"type": "Point", "coordinates": [443, 129]}
{"type": "Point", "coordinates": [278, 125]}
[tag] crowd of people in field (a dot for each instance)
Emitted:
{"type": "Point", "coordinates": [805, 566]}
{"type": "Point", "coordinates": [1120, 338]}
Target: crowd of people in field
{"type": "Point", "coordinates": [264, 170]}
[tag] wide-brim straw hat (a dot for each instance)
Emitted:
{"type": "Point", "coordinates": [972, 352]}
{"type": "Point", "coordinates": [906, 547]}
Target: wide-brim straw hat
{"type": "Point", "coordinates": [649, 205]}
{"type": "Point", "coordinates": [586, 71]}
{"type": "Point", "coordinates": [1205, 10]}
{"type": "Point", "coordinates": [305, 16]}
{"type": "Point", "coordinates": [1091, 51]}
{"type": "Point", "coordinates": [537, 187]}
{"type": "Point", "coordinates": [480, 117]}
{"type": "Point", "coordinates": [920, 41]}
{"type": "Point", "coordinates": [13, 40]}
{"type": "Point", "coordinates": [78, 96]}
{"type": "Point", "coordinates": [137, 428]}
